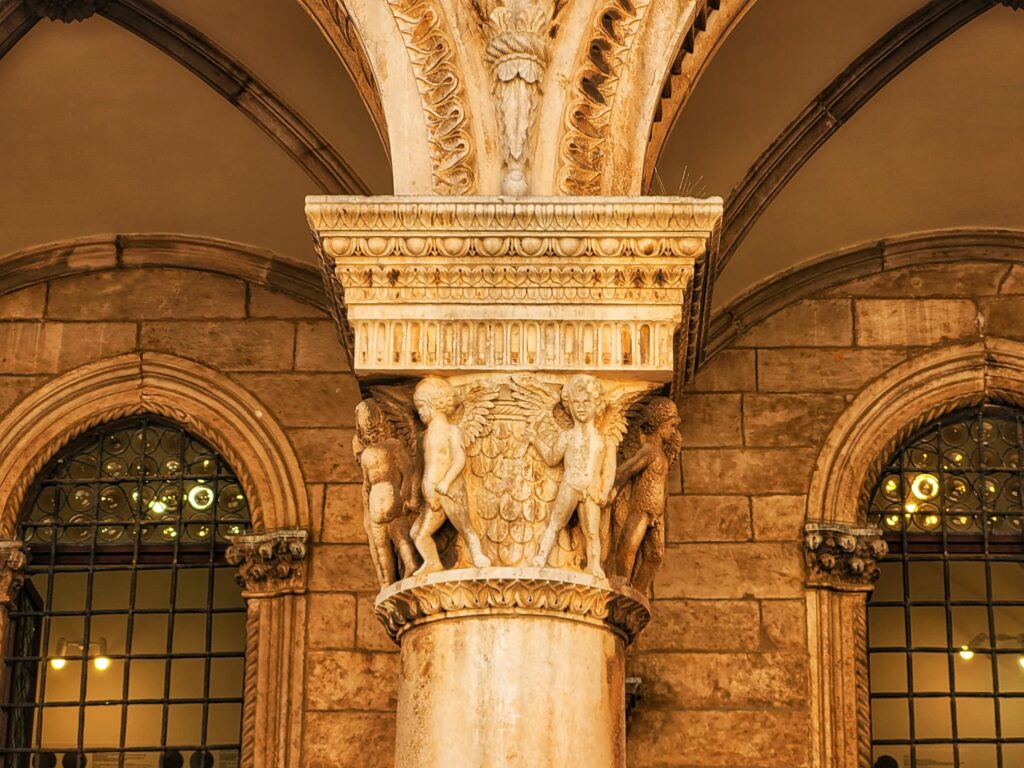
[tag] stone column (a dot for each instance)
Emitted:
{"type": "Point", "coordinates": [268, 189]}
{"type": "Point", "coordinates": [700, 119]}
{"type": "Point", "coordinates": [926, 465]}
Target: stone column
{"type": "Point", "coordinates": [272, 574]}
{"type": "Point", "coordinates": [515, 441]}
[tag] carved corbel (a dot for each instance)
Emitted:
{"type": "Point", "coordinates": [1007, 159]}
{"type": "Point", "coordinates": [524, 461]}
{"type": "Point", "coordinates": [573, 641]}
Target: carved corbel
{"type": "Point", "coordinates": [843, 557]}
{"type": "Point", "coordinates": [270, 563]}
{"type": "Point", "coordinates": [66, 10]}
{"type": "Point", "coordinates": [13, 560]}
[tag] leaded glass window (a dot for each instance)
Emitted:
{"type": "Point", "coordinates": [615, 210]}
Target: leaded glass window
{"type": "Point", "coordinates": [946, 620]}
{"type": "Point", "coordinates": [128, 636]}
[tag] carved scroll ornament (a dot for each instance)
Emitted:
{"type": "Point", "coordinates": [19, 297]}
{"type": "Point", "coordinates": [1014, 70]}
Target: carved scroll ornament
{"type": "Point", "coordinates": [481, 471]}
{"type": "Point", "coordinates": [13, 560]}
{"type": "Point", "coordinates": [442, 94]}
{"type": "Point", "coordinates": [843, 557]}
{"type": "Point", "coordinates": [270, 563]}
{"type": "Point", "coordinates": [585, 133]}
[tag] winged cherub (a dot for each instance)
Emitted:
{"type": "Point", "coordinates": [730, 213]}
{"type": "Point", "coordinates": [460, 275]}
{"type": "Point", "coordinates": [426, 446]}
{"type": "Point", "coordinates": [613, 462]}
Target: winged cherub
{"type": "Point", "coordinates": [650, 449]}
{"type": "Point", "coordinates": [390, 490]}
{"type": "Point", "coordinates": [586, 450]}
{"type": "Point", "coordinates": [452, 424]}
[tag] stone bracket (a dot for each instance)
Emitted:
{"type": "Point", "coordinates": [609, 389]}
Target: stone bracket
{"type": "Point", "coordinates": [842, 556]}
{"type": "Point", "coordinates": [13, 559]}
{"type": "Point", "coordinates": [270, 563]}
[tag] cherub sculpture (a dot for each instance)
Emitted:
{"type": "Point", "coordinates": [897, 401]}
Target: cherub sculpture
{"type": "Point", "coordinates": [453, 423]}
{"type": "Point", "coordinates": [586, 450]}
{"type": "Point", "coordinates": [390, 489]}
{"type": "Point", "coordinates": [650, 449]}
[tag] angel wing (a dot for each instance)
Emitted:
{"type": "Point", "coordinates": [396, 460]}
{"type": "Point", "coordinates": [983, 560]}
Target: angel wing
{"type": "Point", "coordinates": [621, 404]}
{"type": "Point", "coordinates": [396, 402]}
{"type": "Point", "coordinates": [476, 401]}
{"type": "Point", "coordinates": [540, 405]}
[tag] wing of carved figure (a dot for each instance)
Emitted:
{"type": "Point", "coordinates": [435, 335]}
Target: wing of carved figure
{"type": "Point", "coordinates": [396, 402]}
{"type": "Point", "coordinates": [621, 403]}
{"type": "Point", "coordinates": [476, 402]}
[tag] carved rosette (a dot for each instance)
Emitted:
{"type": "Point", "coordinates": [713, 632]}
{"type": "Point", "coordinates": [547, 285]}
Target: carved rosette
{"type": "Point", "coordinates": [13, 560]}
{"type": "Point", "coordinates": [511, 592]}
{"type": "Point", "coordinates": [843, 557]}
{"type": "Point", "coordinates": [546, 284]}
{"type": "Point", "coordinates": [270, 563]}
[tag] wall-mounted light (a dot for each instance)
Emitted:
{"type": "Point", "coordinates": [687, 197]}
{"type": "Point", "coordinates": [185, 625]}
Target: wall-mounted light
{"type": "Point", "coordinates": [97, 652]}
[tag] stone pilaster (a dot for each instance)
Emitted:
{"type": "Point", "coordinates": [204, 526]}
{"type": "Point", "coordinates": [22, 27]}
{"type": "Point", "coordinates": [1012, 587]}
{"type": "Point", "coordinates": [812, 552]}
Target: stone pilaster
{"type": "Point", "coordinates": [515, 440]}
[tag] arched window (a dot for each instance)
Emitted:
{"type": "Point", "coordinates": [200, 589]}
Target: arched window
{"type": "Point", "coordinates": [946, 620]}
{"type": "Point", "coordinates": [127, 638]}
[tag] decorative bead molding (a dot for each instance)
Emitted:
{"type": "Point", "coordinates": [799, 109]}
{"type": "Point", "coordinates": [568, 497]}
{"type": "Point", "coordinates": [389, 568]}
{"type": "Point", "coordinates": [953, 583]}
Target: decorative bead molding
{"type": "Point", "coordinates": [442, 94]}
{"type": "Point", "coordinates": [13, 560]}
{"type": "Point", "coordinates": [552, 284]}
{"type": "Point", "coordinates": [512, 591]}
{"type": "Point", "coordinates": [843, 557]}
{"type": "Point", "coordinates": [270, 563]}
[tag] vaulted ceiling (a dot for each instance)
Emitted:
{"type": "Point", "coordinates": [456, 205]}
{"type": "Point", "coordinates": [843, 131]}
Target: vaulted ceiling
{"type": "Point", "coordinates": [216, 118]}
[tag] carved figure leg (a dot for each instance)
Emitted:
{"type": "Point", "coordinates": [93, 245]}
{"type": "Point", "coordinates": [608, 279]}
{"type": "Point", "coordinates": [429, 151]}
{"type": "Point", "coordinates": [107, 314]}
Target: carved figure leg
{"type": "Point", "coordinates": [400, 530]}
{"type": "Point", "coordinates": [458, 513]}
{"type": "Point", "coordinates": [381, 553]}
{"type": "Point", "coordinates": [590, 522]}
{"type": "Point", "coordinates": [652, 552]}
{"type": "Point", "coordinates": [628, 545]}
{"type": "Point", "coordinates": [427, 524]}
{"type": "Point", "coordinates": [565, 503]}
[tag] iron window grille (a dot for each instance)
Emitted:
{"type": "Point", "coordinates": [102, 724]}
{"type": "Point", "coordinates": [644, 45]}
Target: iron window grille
{"type": "Point", "coordinates": [127, 639]}
{"type": "Point", "coordinates": [946, 620]}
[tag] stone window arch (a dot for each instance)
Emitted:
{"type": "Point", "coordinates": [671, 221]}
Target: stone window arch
{"type": "Point", "coordinates": [946, 619]}
{"type": "Point", "coordinates": [842, 547]}
{"type": "Point", "coordinates": [271, 556]}
{"type": "Point", "coordinates": [128, 631]}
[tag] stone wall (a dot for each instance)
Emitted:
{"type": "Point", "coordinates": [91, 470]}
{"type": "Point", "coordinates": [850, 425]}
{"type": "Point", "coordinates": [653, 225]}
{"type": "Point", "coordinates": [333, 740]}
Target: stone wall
{"type": "Point", "coordinates": [725, 662]}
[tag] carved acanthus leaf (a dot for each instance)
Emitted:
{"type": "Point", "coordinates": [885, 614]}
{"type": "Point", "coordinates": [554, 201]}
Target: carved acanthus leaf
{"type": "Point", "coordinates": [843, 557]}
{"type": "Point", "coordinates": [517, 52]}
{"type": "Point", "coordinates": [270, 563]}
{"type": "Point", "coordinates": [512, 591]}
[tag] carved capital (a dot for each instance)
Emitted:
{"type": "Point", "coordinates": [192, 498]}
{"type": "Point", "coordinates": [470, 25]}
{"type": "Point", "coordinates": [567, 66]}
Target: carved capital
{"type": "Point", "coordinates": [427, 285]}
{"type": "Point", "coordinates": [13, 560]}
{"type": "Point", "coordinates": [843, 557]}
{"type": "Point", "coordinates": [511, 592]}
{"type": "Point", "coordinates": [270, 563]}
{"type": "Point", "coordinates": [66, 10]}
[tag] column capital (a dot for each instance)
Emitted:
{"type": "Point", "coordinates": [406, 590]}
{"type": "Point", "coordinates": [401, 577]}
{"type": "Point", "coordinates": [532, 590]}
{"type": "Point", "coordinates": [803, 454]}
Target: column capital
{"type": "Point", "coordinates": [13, 560]}
{"type": "Point", "coordinates": [513, 592]}
{"type": "Point", "coordinates": [270, 563]}
{"type": "Point", "coordinates": [842, 556]}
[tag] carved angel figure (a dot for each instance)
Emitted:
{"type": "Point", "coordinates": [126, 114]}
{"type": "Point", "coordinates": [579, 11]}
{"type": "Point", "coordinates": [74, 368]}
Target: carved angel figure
{"type": "Point", "coordinates": [650, 449]}
{"type": "Point", "coordinates": [390, 489]}
{"type": "Point", "coordinates": [453, 423]}
{"type": "Point", "coordinates": [587, 451]}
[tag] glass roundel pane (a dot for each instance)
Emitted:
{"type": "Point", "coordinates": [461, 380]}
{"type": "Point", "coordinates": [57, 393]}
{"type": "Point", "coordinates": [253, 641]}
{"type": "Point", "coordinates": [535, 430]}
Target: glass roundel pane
{"type": "Point", "coordinates": [137, 478]}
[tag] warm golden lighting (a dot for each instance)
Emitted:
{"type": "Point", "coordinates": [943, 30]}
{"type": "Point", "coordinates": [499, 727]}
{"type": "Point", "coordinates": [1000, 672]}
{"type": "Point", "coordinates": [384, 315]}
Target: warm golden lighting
{"type": "Point", "coordinates": [892, 520]}
{"type": "Point", "coordinates": [1020, 660]}
{"type": "Point", "coordinates": [931, 521]}
{"type": "Point", "coordinates": [102, 663]}
{"type": "Point", "coordinates": [58, 663]}
{"type": "Point", "coordinates": [966, 653]}
{"type": "Point", "coordinates": [925, 487]}
{"type": "Point", "coordinates": [911, 507]}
